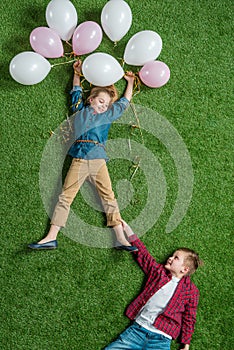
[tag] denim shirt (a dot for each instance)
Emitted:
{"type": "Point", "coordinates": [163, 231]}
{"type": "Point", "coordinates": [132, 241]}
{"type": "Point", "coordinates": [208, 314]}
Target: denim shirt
{"type": "Point", "coordinates": [89, 125]}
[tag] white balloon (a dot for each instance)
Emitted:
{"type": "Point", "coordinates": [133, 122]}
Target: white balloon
{"type": "Point", "coordinates": [102, 69]}
{"type": "Point", "coordinates": [61, 16]}
{"type": "Point", "coordinates": [116, 19]}
{"type": "Point", "coordinates": [143, 47]}
{"type": "Point", "coordinates": [29, 68]}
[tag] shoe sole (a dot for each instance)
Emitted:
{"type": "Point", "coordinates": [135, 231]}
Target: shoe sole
{"type": "Point", "coordinates": [49, 248]}
{"type": "Point", "coordinates": [128, 251]}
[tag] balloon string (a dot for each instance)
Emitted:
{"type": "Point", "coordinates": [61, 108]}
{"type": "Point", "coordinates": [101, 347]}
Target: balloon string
{"type": "Point", "coordinates": [137, 119]}
{"type": "Point", "coordinates": [69, 54]}
{"type": "Point", "coordinates": [67, 42]}
{"type": "Point", "coordinates": [136, 166]}
{"type": "Point", "coordinates": [59, 64]}
{"type": "Point", "coordinates": [122, 62]}
{"type": "Point", "coordinates": [137, 85]}
{"type": "Point", "coordinates": [82, 82]}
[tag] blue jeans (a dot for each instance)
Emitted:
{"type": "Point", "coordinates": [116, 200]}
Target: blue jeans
{"type": "Point", "coordinates": [137, 337]}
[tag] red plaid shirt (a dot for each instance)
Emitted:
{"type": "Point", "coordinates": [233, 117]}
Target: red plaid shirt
{"type": "Point", "coordinates": [179, 317]}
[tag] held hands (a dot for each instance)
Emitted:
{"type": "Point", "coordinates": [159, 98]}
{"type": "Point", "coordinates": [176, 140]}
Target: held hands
{"type": "Point", "coordinates": [127, 229]}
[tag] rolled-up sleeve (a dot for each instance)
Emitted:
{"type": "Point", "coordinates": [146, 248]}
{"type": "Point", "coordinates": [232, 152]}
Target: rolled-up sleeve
{"type": "Point", "coordinates": [117, 109]}
{"type": "Point", "coordinates": [77, 102]}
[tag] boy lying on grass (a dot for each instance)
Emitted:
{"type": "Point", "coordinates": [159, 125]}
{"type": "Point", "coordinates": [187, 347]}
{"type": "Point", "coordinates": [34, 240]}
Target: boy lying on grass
{"type": "Point", "coordinates": [166, 307]}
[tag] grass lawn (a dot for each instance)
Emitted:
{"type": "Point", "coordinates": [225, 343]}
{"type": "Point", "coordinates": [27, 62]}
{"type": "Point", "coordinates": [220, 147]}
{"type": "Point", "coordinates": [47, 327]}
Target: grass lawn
{"type": "Point", "coordinates": [75, 297]}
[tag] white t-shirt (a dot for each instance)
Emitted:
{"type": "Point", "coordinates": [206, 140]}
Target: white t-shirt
{"type": "Point", "coordinates": [156, 305]}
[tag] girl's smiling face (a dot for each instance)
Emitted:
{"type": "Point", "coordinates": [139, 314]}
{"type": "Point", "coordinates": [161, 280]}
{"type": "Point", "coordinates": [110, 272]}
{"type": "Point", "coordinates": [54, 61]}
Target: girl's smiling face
{"type": "Point", "coordinates": [100, 103]}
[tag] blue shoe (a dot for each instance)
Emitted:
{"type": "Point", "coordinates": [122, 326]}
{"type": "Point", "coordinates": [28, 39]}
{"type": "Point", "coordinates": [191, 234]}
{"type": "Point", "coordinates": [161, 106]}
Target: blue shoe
{"type": "Point", "coordinates": [44, 246]}
{"type": "Point", "coordinates": [128, 248]}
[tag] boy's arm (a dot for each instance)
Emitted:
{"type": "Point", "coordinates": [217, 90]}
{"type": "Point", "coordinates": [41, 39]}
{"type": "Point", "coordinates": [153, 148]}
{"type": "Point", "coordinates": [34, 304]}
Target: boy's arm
{"type": "Point", "coordinates": [189, 318]}
{"type": "Point", "coordinates": [129, 77]}
{"type": "Point", "coordinates": [143, 257]}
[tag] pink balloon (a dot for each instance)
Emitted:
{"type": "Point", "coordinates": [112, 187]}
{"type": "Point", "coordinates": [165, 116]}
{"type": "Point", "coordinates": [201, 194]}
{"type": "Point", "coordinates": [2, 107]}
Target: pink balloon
{"type": "Point", "coordinates": [86, 38]}
{"type": "Point", "coordinates": [46, 42]}
{"type": "Point", "coordinates": [154, 74]}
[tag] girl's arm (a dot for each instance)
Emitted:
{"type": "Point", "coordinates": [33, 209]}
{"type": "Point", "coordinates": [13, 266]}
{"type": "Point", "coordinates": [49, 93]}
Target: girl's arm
{"type": "Point", "coordinates": [76, 93]}
{"type": "Point", "coordinates": [129, 77]}
{"type": "Point", "coordinates": [77, 73]}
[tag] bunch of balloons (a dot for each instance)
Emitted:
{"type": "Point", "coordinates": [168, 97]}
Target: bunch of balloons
{"type": "Point", "coordinates": [143, 48]}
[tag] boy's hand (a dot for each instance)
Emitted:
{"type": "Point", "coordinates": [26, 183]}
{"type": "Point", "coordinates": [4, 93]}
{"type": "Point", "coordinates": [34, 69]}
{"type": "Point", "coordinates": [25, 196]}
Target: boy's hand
{"type": "Point", "coordinates": [127, 228]}
{"type": "Point", "coordinates": [124, 224]}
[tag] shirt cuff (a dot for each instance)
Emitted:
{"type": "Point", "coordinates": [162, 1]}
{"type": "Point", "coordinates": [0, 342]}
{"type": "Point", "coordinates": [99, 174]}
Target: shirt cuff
{"type": "Point", "coordinates": [76, 88]}
{"type": "Point", "coordinates": [124, 100]}
{"type": "Point", "coordinates": [132, 238]}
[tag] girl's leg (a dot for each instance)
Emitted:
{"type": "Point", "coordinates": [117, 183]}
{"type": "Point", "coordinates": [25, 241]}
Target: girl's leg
{"type": "Point", "coordinates": [77, 174]}
{"type": "Point", "coordinates": [101, 178]}
{"type": "Point", "coordinates": [51, 235]}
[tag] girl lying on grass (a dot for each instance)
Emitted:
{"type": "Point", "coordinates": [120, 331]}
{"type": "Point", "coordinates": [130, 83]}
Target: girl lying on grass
{"type": "Point", "coordinates": [92, 123]}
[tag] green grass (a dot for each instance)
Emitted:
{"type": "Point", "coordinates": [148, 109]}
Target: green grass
{"type": "Point", "coordinates": [75, 297]}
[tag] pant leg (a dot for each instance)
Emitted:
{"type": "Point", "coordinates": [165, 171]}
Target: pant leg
{"type": "Point", "coordinates": [102, 181]}
{"type": "Point", "coordinates": [77, 174]}
{"type": "Point", "coordinates": [157, 341]}
{"type": "Point", "coordinates": [130, 339]}
{"type": "Point", "coordinates": [137, 337]}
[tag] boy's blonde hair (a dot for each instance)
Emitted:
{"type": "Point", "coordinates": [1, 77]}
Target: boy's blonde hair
{"type": "Point", "coordinates": [110, 90]}
{"type": "Point", "coordinates": [191, 260]}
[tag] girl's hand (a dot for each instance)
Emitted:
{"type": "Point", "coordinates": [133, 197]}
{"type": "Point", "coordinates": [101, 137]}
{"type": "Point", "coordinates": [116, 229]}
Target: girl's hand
{"type": "Point", "coordinates": [127, 229]}
{"type": "Point", "coordinates": [77, 66]}
{"type": "Point", "coordinates": [124, 224]}
{"type": "Point", "coordinates": [77, 72]}
{"type": "Point", "coordinates": [129, 76]}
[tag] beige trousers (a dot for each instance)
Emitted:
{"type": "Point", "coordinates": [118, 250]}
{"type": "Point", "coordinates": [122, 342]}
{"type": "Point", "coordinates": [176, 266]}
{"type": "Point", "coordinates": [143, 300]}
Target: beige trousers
{"type": "Point", "coordinates": [80, 170]}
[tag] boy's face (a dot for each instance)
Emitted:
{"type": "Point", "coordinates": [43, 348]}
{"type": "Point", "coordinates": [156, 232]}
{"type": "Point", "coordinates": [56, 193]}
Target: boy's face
{"type": "Point", "coordinates": [175, 264]}
{"type": "Point", "coordinates": [100, 103]}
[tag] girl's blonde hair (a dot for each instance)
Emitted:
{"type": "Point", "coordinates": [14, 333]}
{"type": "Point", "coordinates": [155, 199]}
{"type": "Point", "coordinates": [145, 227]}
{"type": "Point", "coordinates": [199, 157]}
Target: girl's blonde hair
{"type": "Point", "coordinates": [110, 90]}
